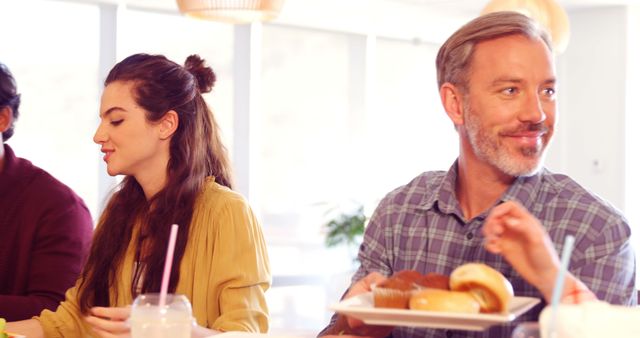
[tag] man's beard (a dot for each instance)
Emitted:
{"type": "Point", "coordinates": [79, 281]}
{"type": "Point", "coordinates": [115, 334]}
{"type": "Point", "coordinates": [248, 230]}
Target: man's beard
{"type": "Point", "coordinates": [490, 148]}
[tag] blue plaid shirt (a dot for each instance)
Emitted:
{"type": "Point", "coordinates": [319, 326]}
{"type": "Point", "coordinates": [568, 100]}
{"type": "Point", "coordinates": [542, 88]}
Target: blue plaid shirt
{"type": "Point", "coordinates": [420, 226]}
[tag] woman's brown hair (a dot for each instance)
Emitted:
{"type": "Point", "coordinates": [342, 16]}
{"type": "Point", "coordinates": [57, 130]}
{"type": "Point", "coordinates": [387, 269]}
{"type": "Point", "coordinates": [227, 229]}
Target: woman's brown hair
{"type": "Point", "coordinates": [196, 151]}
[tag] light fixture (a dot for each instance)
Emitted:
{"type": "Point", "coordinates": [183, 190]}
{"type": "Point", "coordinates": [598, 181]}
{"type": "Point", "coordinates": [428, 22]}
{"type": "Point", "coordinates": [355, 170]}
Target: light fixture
{"type": "Point", "coordinates": [547, 12]}
{"type": "Point", "coordinates": [231, 11]}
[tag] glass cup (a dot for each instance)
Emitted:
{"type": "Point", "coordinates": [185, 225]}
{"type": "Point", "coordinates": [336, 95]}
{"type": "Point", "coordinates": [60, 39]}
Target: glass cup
{"type": "Point", "coordinates": [148, 320]}
{"type": "Point", "coordinates": [526, 330]}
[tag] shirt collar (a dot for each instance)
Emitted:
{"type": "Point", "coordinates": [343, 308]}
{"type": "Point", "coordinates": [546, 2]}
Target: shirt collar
{"type": "Point", "coordinates": [523, 190]}
{"type": "Point", "coordinates": [444, 196]}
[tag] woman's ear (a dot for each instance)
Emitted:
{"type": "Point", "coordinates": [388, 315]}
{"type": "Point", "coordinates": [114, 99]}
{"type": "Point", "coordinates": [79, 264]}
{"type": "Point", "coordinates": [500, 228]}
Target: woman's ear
{"type": "Point", "coordinates": [6, 116]}
{"type": "Point", "coordinates": [168, 124]}
{"type": "Point", "coordinates": [452, 101]}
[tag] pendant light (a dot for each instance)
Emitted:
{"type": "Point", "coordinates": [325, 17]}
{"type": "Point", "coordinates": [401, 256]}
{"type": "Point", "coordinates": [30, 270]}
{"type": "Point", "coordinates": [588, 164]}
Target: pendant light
{"type": "Point", "coordinates": [547, 12]}
{"type": "Point", "coordinates": [231, 11]}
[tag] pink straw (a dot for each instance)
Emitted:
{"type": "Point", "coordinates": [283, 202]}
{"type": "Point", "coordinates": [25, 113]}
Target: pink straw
{"type": "Point", "coordinates": [167, 265]}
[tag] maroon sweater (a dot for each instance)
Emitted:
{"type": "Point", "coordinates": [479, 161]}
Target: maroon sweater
{"type": "Point", "coordinates": [45, 233]}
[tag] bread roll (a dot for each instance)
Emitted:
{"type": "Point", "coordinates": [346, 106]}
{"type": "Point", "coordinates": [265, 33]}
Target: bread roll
{"type": "Point", "coordinates": [488, 286]}
{"type": "Point", "coordinates": [443, 300]}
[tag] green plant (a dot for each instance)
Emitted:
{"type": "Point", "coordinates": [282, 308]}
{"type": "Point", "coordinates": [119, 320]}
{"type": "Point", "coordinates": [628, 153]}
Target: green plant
{"type": "Point", "coordinates": [345, 228]}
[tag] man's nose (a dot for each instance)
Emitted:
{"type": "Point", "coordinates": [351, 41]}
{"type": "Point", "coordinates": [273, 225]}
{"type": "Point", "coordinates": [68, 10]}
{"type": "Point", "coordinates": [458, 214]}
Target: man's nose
{"type": "Point", "coordinates": [533, 110]}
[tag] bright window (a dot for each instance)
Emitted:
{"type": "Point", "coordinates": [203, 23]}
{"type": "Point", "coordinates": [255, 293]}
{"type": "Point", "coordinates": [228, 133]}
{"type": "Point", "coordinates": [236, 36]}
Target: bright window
{"type": "Point", "coordinates": [56, 69]}
{"type": "Point", "coordinates": [409, 131]}
{"type": "Point", "coordinates": [177, 37]}
{"type": "Point", "coordinates": [340, 114]}
{"type": "Point", "coordinates": [304, 151]}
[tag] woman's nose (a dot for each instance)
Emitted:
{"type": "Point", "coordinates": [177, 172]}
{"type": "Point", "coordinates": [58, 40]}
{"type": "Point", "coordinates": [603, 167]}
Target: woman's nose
{"type": "Point", "coordinates": [99, 136]}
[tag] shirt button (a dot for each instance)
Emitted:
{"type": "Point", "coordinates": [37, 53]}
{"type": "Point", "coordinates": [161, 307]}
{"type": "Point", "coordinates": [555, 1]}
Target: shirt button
{"type": "Point", "coordinates": [469, 235]}
{"type": "Point", "coordinates": [449, 334]}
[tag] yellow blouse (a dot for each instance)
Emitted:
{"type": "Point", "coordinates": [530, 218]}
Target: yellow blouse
{"type": "Point", "coordinates": [224, 271]}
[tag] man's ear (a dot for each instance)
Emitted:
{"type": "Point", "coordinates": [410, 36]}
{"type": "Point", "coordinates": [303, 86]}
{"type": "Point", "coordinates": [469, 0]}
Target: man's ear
{"type": "Point", "coordinates": [452, 101]}
{"type": "Point", "coordinates": [168, 124]}
{"type": "Point", "coordinates": [6, 117]}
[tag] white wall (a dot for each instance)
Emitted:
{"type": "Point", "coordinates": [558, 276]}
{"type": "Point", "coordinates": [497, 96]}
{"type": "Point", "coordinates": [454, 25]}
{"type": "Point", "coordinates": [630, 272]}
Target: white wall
{"type": "Point", "coordinates": [590, 140]}
{"type": "Point", "coordinates": [632, 180]}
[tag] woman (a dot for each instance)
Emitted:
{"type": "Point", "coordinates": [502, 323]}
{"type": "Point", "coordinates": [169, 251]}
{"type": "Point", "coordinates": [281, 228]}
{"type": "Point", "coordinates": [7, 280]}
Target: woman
{"type": "Point", "coordinates": [157, 130]}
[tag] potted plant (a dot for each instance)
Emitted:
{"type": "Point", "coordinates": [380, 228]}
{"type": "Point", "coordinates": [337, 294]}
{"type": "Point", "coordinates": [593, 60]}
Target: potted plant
{"type": "Point", "coordinates": [346, 228]}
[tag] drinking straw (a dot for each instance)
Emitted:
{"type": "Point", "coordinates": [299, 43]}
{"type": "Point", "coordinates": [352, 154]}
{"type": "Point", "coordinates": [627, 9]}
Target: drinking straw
{"type": "Point", "coordinates": [559, 286]}
{"type": "Point", "coordinates": [167, 265]}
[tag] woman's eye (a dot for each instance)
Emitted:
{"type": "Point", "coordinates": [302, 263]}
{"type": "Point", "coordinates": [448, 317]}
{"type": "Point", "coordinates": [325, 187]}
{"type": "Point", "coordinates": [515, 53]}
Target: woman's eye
{"type": "Point", "coordinates": [116, 122]}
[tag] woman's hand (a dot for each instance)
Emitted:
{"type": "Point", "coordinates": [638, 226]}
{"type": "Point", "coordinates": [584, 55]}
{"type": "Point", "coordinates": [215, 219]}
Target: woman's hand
{"type": "Point", "coordinates": [30, 328]}
{"type": "Point", "coordinates": [511, 231]}
{"type": "Point", "coordinates": [109, 322]}
{"type": "Point", "coordinates": [201, 332]}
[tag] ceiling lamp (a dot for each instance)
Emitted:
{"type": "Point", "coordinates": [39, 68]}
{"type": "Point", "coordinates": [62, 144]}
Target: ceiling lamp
{"type": "Point", "coordinates": [547, 12]}
{"type": "Point", "coordinates": [231, 11]}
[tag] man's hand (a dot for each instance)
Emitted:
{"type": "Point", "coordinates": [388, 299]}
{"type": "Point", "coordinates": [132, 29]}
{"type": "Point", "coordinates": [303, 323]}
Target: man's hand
{"type": "Point", "coordinates": [351, 327]}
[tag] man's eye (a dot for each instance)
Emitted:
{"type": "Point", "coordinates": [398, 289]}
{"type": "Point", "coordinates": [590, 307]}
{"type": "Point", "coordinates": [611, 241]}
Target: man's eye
{"type": "Point", "coordinates": [549, 91]}
{"type": "Point", "coordinates": [510, 90]}
{"type": "Point", "coordinates": [116, 122]}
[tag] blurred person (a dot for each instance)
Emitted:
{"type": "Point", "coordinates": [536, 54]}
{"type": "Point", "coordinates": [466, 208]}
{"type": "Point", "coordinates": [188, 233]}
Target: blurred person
{"type": "Point", "coordinates": [157, 130]}
{"type": "Point", "coordinates": [497, 84]}
{"type": "Point", "coordinates": [46, 228]}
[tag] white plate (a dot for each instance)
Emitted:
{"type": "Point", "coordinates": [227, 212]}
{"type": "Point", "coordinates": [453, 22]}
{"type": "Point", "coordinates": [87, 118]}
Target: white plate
{"type": "Point", "coordinates": [234, 334]}
{"type": "Point", "coordinates": [361, 307]}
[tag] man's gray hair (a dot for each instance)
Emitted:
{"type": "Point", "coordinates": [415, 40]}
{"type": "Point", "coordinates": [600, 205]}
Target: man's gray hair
{"type": "Point", "coordinates": [452, 62]}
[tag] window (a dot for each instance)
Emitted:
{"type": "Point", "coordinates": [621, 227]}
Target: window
{"type": "Point", "coordinates": [305, 155]}
{"type": "Point", "coordinates": [177, 37]}
{"type": "Point", "coordinates": [336, 110]}
{"type": "Point", "coordinates": [56, 70]}
{"type": "Point", "coordinates": [406, 115]}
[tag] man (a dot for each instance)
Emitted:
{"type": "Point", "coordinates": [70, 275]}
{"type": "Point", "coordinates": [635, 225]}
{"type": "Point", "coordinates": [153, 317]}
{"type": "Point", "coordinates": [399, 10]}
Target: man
{"type": "Point", "coordinates": [497, 85]}
{"type": "Point", "coordinates": [45, 228]}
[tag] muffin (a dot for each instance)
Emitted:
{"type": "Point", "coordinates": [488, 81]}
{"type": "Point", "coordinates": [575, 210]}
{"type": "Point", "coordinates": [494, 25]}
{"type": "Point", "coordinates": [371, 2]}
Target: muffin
{"type": "Point", "coordinates": [433, 280]}
{"type": "Point", "coordinates": [394, 292]}
{"type": "Point", "coordinates": [410, 276]}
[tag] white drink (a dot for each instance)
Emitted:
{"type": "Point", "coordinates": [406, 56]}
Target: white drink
{"type": "Point", "coordinates": [151, 322]}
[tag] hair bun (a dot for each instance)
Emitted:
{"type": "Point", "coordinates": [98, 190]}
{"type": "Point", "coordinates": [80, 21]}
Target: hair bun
{"type": "Point", "coordinates": [205, 77]}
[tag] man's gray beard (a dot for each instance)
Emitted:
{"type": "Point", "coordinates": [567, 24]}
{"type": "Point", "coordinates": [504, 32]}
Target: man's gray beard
{"type": "Point", "coordinates": [496, 154]}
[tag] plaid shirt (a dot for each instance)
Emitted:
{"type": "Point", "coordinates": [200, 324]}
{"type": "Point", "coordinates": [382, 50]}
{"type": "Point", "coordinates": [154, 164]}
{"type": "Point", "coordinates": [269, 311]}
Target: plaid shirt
{"type": "Point", "coordinates": [420, 226]}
